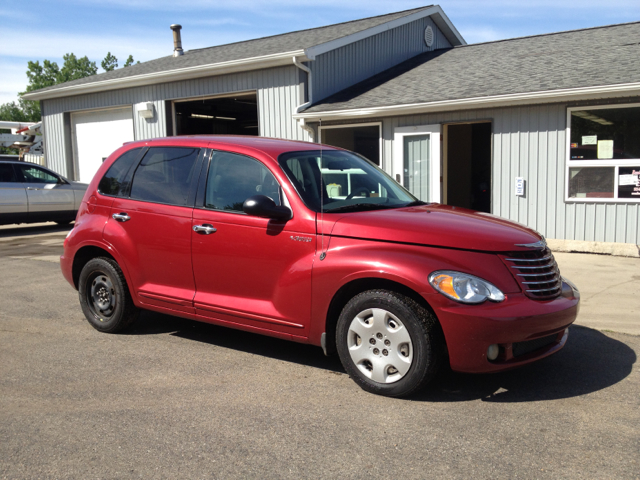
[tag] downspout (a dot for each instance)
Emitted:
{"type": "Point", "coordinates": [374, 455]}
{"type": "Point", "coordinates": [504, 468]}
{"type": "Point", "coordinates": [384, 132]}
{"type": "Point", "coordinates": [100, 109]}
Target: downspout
{"type": "Point", "coordinates": [299, 108]}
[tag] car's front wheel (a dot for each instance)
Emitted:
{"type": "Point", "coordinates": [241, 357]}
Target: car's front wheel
{"type": "Point", "coordinates": [388, 344]}
{"type": "Point", "coordinates": [105, 297]}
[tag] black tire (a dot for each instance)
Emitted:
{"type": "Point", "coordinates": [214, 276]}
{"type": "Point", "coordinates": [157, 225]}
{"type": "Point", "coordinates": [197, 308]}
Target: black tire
{"type": "Point", "coordinates": [365, 313]}
{"type": "Point", "coordinates": [104, 296]}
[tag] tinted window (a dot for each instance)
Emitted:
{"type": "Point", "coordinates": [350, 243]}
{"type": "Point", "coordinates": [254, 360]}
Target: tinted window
{"type": "Point", "coordinates": [164, 175]}
{"type": "Point", "coordinates": [7, 174]}
{"type": "Point", "coordinates": [37, 175]}
{"type": "Point", "coordinates": [113, 182]}
{"type": "Point", "coordinates": [234, 178]}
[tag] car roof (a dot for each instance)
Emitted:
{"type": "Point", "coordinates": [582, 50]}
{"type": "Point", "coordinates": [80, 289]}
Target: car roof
{"type": "Point", "coordinates": [273, 147]}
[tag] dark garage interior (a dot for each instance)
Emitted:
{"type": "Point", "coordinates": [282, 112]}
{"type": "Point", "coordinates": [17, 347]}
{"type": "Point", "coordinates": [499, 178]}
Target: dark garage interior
{"type": "Point", "coordinates": [233, 115]}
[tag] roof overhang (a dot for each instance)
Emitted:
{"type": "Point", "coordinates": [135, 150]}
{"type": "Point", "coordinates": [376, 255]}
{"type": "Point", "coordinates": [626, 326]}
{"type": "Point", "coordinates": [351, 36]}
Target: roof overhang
{"type": "Point", "coordinates": [246, 64]}
{"type": "Point", "coordinates": [549, 96]}
{"type": "Point", "coordinates": [435, 12]}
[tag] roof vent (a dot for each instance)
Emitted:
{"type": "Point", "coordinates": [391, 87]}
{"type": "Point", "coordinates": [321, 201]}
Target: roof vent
{"type": "Point", "coordinates": [177, 41]}
{"type": "Point", "coordinates": [428, 36]}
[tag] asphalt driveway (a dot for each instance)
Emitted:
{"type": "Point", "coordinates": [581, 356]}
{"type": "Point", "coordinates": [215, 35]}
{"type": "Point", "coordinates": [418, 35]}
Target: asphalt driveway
{"type": "Point", "coordinates": [181, 399]}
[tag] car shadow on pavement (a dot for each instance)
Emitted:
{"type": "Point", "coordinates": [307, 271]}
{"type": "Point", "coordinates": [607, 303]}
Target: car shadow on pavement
{"type": "Point", "coordinates": [589, 362]}
{"type": "Point", "coordinates": [151, 323]}
{"type": "Point", "coordinates": [25, 230]}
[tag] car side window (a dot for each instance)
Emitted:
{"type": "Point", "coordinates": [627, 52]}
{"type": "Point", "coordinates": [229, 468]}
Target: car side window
{"type": "Point", "coordinates": [233, 178]}
{"type": "Point", "coordinates": [33, 174]}
{"type": "Point", "coordinates": [7, 173]}
{"type": "Point", "coordinates": [115, 181]}
{"type": "Point", "coordinates": [164, 175]}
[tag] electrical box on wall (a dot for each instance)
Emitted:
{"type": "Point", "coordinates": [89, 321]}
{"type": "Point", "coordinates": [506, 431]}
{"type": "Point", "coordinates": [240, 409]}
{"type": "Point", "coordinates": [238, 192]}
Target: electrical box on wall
{"type": "Point", "coordinates": [520, 184]}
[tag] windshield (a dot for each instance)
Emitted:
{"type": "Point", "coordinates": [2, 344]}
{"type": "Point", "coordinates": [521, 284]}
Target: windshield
{"type": "Point", "coordinates": [350, 182]}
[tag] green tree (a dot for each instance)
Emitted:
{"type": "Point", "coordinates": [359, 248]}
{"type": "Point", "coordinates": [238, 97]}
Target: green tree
{"type": "Point", "coordinates": [74, 68]}
{"type": "Point", "coordinates": [109, 63]}
{"type": "Point", "coordinates": [48, 74]}
{"type": "Point", "coordinates": [129, 61]}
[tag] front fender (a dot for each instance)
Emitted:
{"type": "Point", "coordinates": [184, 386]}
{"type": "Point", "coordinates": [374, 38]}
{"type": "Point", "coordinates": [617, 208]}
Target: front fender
{"type": "Point", "coordinates": [349, 259]}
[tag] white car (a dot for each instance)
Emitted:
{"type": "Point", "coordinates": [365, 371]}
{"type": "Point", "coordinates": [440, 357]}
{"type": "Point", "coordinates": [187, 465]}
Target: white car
{"type": "Point", "coordinates": [30, 193]}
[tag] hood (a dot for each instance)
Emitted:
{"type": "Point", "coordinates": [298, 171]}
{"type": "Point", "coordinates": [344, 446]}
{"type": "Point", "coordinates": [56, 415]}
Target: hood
{"type": "Point", "coordinates": [437, 225]}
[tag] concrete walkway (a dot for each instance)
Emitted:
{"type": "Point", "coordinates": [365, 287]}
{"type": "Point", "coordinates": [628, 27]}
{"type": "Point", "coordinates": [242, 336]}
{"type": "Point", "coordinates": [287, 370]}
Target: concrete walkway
{"type": "Point", "coordinates": [609, 289]}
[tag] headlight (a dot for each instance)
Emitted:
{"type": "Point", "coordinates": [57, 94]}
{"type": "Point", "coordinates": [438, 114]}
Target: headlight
{"type": "Point", "coordinates": [464, 288]}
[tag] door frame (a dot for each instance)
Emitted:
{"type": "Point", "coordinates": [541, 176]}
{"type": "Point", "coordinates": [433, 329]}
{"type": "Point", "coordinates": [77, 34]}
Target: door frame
{"type": "Point", "coordinates": [445, 155]}
{"type": "Point", "coordinates": [434, 155]}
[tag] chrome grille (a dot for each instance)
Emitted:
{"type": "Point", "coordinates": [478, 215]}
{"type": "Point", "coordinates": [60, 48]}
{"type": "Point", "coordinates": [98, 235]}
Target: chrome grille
{"type": "Point", "coordinates": [536, 272]}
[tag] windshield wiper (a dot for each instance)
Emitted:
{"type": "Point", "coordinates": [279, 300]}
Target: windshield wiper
{"type": "Point", "coordinates": [360, 206]}
{"type": "Point", "coordinates": [417, 203]}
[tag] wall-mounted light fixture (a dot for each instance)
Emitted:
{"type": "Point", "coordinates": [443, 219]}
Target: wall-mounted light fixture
{"type": "Point", "coordinates": [145, 110]}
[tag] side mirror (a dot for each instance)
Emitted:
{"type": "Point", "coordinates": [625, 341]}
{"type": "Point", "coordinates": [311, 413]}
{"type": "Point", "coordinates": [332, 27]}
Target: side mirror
{"type": "Point", "coordinates": [263, 206]}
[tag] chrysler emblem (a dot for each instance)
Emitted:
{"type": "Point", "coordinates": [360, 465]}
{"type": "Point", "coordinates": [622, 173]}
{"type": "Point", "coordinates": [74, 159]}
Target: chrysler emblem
{"type": "Point", "coordinates": [540, 244]}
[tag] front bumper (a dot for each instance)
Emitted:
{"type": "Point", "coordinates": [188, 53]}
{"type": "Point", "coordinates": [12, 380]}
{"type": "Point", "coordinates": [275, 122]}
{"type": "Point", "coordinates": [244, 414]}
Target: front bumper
{"type": "Point", "coordinates": [470, 329]}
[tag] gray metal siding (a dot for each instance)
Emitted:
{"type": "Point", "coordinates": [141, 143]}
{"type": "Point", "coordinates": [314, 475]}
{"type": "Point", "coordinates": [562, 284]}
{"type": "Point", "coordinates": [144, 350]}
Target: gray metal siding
{"type": "Point", "coordinates": [277, 91]}
{"type": "Point", "coordinates": [529, 141]}
{"type": "Point", "coordinates": [338, 69]}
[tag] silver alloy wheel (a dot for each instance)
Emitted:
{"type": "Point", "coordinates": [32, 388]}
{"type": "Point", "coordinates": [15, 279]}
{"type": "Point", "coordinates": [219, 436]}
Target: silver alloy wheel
{"type": "Point", "coordinates": [380, 345]}
{"type": "Point", "coordinates": [103, 295]}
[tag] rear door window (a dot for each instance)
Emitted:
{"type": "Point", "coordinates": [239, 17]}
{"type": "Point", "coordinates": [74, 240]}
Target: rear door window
{"type": "Point", "coordinates": [33, 174]}
{"type": "Point", "coordinates": [233, 178]}
{"type": "Point", "coordinates": [7, 173]}
{"type": "Point", "coordinates": [165, 175]}
{"type": "Point", "coordinates": [116, 181]}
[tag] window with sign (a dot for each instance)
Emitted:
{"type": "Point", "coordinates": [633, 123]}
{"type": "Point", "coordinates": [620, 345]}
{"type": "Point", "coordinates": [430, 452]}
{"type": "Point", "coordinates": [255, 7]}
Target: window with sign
{"type": "Point", "coordinates": [604, 154]}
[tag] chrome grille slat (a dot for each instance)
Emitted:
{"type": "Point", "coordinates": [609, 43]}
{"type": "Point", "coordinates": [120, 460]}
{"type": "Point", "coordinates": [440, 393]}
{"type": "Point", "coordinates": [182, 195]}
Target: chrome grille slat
{"type": "Point", "coordinates": [554, 272]}
{"type": "Point", "coordinates": [536, 271]}
{"type": "Point", "coordinates": [529, 259]}
{"type": "Point", "coordinates": [532, 268]}
{"type": "Point", "coordinates": [543, 290]}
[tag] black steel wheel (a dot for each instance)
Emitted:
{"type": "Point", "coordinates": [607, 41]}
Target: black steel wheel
{"type": "Point", "coordinates": [104, 296]}
{"type": "Point", "coordinates": [389, 344]}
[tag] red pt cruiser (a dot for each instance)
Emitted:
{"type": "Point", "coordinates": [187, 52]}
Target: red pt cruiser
{"type": "Point", "coordinates": [317, 245]}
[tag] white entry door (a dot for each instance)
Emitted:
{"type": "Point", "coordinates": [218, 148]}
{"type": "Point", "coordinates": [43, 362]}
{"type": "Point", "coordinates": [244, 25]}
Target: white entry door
{"type": "Point", "coordinates": [96, 134]}
{"type": "Point", "coordinates": [416, 160]}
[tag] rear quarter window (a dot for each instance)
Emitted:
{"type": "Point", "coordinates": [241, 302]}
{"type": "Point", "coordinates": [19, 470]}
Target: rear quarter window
{"type": "Point", "coordinates": [115, 181]}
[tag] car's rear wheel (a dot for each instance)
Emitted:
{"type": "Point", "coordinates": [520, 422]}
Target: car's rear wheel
{"type": "Point", "coordinates": [104, 296]}
{"type": "Point", "coordinates": [388, 344]}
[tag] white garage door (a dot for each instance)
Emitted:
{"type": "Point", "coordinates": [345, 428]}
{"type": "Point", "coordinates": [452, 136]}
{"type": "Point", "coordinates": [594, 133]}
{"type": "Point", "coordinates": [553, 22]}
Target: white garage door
{"type": "Point", "coordinates": [96, 135]}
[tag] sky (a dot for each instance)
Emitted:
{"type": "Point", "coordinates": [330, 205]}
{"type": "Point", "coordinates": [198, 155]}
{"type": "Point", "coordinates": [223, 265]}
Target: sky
{"type": "Point", "coordinates": [48, 29]}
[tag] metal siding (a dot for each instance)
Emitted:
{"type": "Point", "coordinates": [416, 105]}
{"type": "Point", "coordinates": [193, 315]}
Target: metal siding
{"type": "Point", "coordinates": [530, 142]}
{"type": "Point", "coordinates": [277, 93]}
{"type": "Point", "coordinates": [340, 68]}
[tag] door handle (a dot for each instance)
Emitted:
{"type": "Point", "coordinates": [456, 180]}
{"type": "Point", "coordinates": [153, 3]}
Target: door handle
{"type": "Point", "coordinates": [33, 188]}
{"type": "Point", "coordinates": [204, 228]}
{"type": "Point", "coordinates": [121, 217]}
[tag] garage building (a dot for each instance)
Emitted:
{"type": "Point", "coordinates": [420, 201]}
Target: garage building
{"type": "Point", "coordinates": [533, 129]}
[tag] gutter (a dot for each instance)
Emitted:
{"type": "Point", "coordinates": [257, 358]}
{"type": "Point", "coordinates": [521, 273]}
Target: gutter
{"type": "Point", "coordinates": [232, 66]}
{"type": "Point", "coordinates": [547, 96]}
{"type": "Point", "coordinates": [299, 108]}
